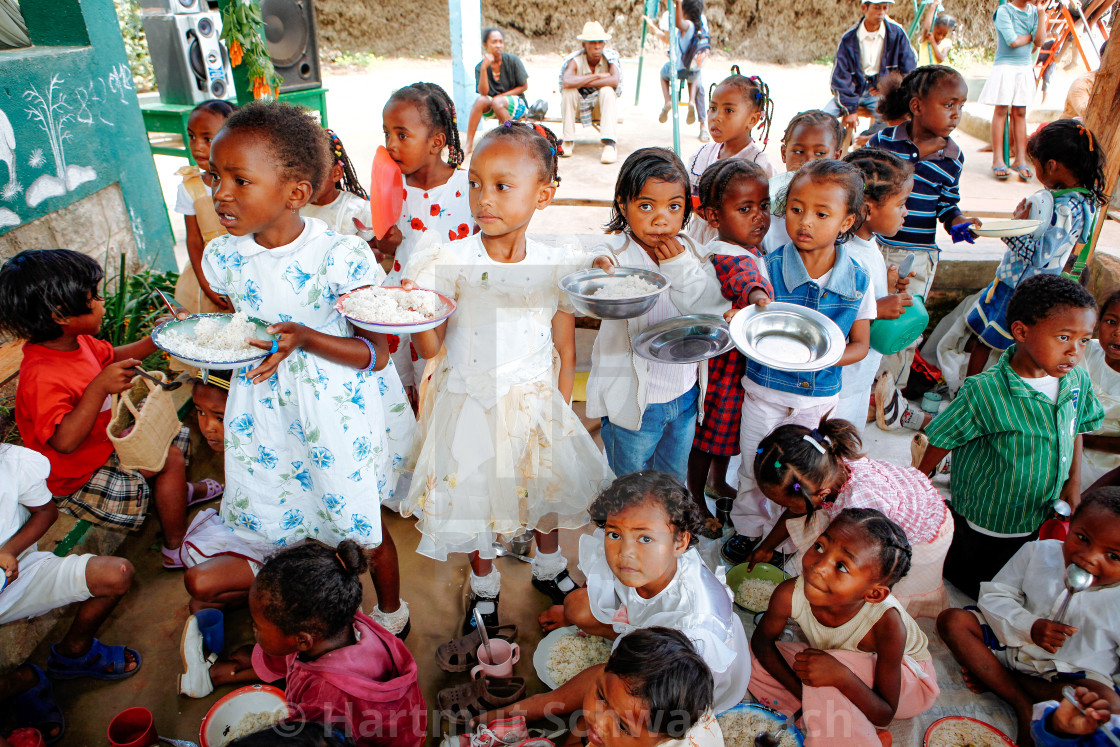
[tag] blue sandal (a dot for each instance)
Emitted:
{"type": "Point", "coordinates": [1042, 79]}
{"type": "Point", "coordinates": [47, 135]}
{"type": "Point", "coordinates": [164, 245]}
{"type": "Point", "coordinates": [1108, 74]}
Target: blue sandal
{"type": "Point", "coordinates": [38, 709]}
{"type": "Point", "coordinates": [101, 662]}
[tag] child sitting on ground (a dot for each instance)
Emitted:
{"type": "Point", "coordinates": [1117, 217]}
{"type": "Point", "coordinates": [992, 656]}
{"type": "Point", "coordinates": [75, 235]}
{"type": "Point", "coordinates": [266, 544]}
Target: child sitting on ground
{"type": "Point", "coordinates": [642, 569]}
{"type": "Point", "coordinates": [1062, 724]}
{"type": "Point", "coordinates": [340, 666]}
{"type": "Point", "coordinates": [1015, 431]}
{"type": "Point", "coordinates": [866, 658]}
{"type": "Point", "coordinates": [33, 583]}
{"type": "Point", "coordinates": [1017, 642]}
{"type": "Point", "coordinates": [1100, 452]}
{"type": "Point", "coordinates": [50, 299]}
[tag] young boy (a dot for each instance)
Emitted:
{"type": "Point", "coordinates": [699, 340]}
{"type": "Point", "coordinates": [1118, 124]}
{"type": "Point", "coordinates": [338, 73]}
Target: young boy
{"type": "Point", "coordinates": [49, 298]}
{"type": "Point", "coordinates": [1012, 645]}
{"type": "Point", "coordinates": [1015, 431]}
{"type": "Point", "coordinates": [36, 582]}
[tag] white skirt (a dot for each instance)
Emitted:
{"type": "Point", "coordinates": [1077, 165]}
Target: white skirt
{"type": "Point", "coordinates": [1009, 85]}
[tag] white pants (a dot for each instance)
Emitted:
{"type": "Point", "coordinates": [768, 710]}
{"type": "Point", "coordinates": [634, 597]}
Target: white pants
{"type": "Point", "coordinates": [606, 112]}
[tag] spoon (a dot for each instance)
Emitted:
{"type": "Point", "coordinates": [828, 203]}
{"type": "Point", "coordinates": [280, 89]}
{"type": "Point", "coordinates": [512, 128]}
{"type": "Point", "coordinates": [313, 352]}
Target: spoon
{"type": "Point", "coordinates": [1071, 696]}
{"type": "Point", "coordinates": [482, 632]}
{"type": "Point", "coordinates": [1076, 579]}
{"type": "Point", "coordinates": [501, 551]}
{"type": "Point", "coordinates": [165, 385]}
{"type": "Point", "coordinates": [771, 738]}
{"type": "Point", "coordinates": [178, 742]}
{"type": "Point", "coordinates": [175, 311]}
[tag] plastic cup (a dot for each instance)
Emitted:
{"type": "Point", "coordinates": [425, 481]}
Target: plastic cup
{"type": "Point", "coordinates": [212, 626]}
{"type": "Point", "coordinates": [133, 727]}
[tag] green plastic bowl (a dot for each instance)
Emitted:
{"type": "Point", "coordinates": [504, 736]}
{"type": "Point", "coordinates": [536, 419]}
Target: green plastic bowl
{"type": "Point", "coordinates": [762, 571]}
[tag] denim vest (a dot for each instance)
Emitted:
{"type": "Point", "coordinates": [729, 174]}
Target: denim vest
{"type": "Point", "coordinates": [839, 300]}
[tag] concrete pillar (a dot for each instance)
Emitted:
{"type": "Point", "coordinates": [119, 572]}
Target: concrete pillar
{"type": "Point", "coordinates": [465, 20]}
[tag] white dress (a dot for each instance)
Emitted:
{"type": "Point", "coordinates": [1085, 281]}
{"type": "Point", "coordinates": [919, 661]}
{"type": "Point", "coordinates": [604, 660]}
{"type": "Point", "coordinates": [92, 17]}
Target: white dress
{"type": "Point", "coordinates": [696, 602]}
{"type": "Point", "coordinates": [500, 449]}
{"type": "Point", "coordinates": [1106, 385]}
{"type": "Point", "coordinates": [339, 213]}
{"type": "Point", "coordinates": [307, 454]}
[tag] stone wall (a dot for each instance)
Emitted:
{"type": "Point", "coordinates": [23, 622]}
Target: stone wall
{"type": "Point", "coordinates": [97, 225]}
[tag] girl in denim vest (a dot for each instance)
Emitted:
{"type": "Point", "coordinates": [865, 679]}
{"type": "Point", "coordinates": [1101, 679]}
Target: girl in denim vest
{"type": "Point", "coordinates": [824, 206]}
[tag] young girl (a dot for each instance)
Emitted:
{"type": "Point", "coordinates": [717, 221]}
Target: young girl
{"type": "Point", "coordinates": [810, 136]}
{"type": "Point", "coordinates": [734, 197]}
{"type": "Point", "coordinates": [306, 450]}
{"type": "Point", "coordinates": [195, 203]}
{"type": "Point", "coordinates": [1020, 31]}
{"type": "Point", "coordinates": [1101, 449]}
{"type": "Point", "coordinates": [824, 205]}
{"type": "Point", "coordinates": [341, 202]}
{"type": "Point", "coordinates": [501, 449]}
{"type": "Point", "coordinates": [814, 474]}
{"type": "Point", "coordinates": [866, 662]}
{"type": "Point", "coordinates": [642, 569]}
{"type": "Point", "coordinates": [419, 122]}
{"type": "Point", "coordinates": [887, 182]}
{"type": "Point", "coordinates": [340, 667]}
{"type": "Point", "coordinates": [736, 106]}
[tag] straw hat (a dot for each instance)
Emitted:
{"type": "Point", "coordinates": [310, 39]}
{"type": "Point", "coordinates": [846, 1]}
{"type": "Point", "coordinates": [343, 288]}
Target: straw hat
{"type": "Point", "coordinates": [593, 31]}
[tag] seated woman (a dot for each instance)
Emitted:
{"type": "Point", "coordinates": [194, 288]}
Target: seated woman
{"type": "Point", "coordinates": [500, 80]}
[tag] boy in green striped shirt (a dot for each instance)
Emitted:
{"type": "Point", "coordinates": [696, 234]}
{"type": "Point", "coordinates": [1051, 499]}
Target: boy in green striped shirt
{"type": "Point", "coordinates": [1015, 431]}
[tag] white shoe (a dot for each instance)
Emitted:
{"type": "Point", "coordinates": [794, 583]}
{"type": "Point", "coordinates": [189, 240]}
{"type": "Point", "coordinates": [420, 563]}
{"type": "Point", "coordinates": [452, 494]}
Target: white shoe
{"type": "Point", "coordinates": [610, 154]}
{"type": "Point", "coordinates": [195, 680]}
{"type": "Point", "coordinates": [567, 148]}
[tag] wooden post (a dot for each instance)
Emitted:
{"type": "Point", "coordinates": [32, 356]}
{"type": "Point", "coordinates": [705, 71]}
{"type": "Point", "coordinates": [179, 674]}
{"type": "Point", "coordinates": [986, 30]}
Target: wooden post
{"type": "Point", "coordinates": [465, 20]}
{"type": "Point", "coordinates": [1100, 117]}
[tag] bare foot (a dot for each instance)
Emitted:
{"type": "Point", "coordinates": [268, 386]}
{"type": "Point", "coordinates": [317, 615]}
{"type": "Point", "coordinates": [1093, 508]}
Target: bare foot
{"type": "Point", "coordinates": [553, 618]}
{"type": "Point", "coordinates": [972, 683]}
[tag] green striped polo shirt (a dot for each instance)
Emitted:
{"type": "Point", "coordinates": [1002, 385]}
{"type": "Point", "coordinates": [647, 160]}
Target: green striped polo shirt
{"type": "Point", "coordinates": [1011, 446]}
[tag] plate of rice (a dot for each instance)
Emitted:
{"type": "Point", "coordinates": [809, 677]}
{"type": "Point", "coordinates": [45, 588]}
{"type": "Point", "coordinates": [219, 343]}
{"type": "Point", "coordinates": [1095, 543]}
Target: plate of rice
{"type": "Point", "coordinates": [392, 310]}
{"type": "Point", "coordinates": [244, 711]}
{"type": "Point", "coordinates": [215, 342]}
{"type": "Point", "coordinates": [752, 589]}
{"type": "Point", "coordinates": [962, 731]}
{"type": "Point", "coordinates": [565, 652]}
{"type": "Point", "coordinates": [741, 724]}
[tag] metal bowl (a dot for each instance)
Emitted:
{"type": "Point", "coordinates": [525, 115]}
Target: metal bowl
{"type": "Point", "coordinates": [684, 339]}
{"type": "Point", "coordinates": [580, 285]}
{"type": "Point", "coordinates": [788, 337]}
{"type": "Point", "coordinates": [390, 328]}
{"type": "Point", "coordinates": [186, 327]}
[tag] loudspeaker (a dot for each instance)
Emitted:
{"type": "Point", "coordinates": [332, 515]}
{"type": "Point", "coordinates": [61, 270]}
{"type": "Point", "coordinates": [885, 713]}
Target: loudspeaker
{"type": "Point", "coordinates": [190, 63]}
{"type": "Point", "coordinates": [173, 6]}
{"type": "Point", "coordinates": [292, 43]}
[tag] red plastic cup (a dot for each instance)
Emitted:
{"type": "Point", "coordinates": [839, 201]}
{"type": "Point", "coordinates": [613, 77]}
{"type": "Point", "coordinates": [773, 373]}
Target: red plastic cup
{"type": "Point", "coordinates": [133, 727]}
{"type": "Point", "coordinates": [26, 738]}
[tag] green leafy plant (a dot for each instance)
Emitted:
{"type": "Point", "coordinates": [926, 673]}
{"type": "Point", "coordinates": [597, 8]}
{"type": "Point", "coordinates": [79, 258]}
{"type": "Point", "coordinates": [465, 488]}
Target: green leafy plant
{"type": "Point", "coordinates": [132, 304]}
{"type": "Point", "coordinates": [9, 434]}
{"type": "Point", "coordinates": [135, 44]}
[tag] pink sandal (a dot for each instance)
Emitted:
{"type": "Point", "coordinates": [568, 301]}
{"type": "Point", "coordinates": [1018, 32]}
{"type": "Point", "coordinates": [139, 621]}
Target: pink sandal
{"type": "Point", "coordinates": [172, 560]}
{"type": "Point", "coordinates": [213, 490]}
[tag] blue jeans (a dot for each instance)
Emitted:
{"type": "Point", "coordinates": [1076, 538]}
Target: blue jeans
{"type": "Point", "coordinates": [663, 443]}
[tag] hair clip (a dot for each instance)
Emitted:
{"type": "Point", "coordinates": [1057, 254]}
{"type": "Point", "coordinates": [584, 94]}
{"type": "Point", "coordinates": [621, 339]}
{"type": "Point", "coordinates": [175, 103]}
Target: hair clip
{"type": "Point", "coordinates": [797, 487]}
{"type": "Point", "coordinates": [816, 444]}
{"type": "Point", "coordinates": [340, 561]}
{"type": "Point", "coordinates": [552, 151]}
{"type": "Point", "coordinates": [777, 465]}
{"type": "Point", "coordinates": [1087, 133]}
{"type": "Point", "coordinates": [507, 123]}
{"type": "Point", "coordinates": [759, 450]}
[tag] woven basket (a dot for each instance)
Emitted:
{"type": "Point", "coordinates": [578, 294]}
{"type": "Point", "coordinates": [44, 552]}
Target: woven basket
{"type": "Point", "coordinates": [144, 423]}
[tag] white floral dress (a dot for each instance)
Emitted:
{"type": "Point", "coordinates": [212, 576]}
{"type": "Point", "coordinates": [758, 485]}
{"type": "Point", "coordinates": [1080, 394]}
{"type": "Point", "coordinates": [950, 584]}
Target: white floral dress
{"type": "Point", "coordinates": [307, 453]}
{"type": "Point", "coordinates": [500, 449]}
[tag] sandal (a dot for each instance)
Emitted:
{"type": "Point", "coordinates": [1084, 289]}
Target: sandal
{"type": "Point", "coordinates": [172, 559]}
{"type": "Point", "coordinates": [101, 662]}
{"type": "Point", "coordinates": [461, 703]}
{"type": "Point", "coordinates": [461, 654]}
{"type": "Point", "coordinates": [213, 490]}
{"type": "Point", "coordinates": [1002, 173]}
{"type": "Point", "coordinates": [1025, 172]}
{"type": "Point", "coordinates": [712, 528]}
{"type": "Point", "coordinates": [37, 708]}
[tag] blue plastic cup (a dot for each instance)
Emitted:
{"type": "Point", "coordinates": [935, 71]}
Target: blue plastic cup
{"type": "Point", "coordinates": [212, 626]}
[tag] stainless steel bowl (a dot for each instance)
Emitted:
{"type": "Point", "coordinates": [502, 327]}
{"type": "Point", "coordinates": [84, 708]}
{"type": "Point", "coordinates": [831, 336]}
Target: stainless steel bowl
{"type": "Point", "coordinates": [684, 339]}
{"type": "Point", "coordinates": [580, 285]}
{"type": "Point", "coordinates": [788, 337]}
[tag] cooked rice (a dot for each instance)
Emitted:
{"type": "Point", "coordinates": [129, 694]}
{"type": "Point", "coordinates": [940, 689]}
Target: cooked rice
{"type": "Point", "coordinates": [961, 733]}
{"type": "Point", "coordinates": [627, 286]}
{"type": "Point", "coordinates": [754, 594]}
{"type": "Point", "coordinates": [392, 306]}
{"type": "Point", "coordinates": [251, 723]}
{"type": "Point", "coordinates": [574, 652]}
{"type": "Point", "coordinates": [741, 727]}
{"type": "Point", "coordinates": [216, 339]}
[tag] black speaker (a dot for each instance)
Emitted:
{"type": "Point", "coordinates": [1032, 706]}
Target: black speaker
{"type": "Point", "coordinates": [292, 43]}
{"type": "Point", "coordinates": [190, 62]}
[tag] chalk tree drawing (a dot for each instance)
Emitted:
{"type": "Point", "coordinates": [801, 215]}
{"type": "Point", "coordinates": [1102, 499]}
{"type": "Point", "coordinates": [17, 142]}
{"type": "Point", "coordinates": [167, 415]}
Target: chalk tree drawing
{"type": "Point", "coordinates": [8, 156]}
{"type": "Point", "coordinates": [55, 115]}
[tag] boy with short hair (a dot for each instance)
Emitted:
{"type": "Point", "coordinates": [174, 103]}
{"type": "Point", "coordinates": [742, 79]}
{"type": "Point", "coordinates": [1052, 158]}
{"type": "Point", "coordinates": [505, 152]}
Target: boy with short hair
{"type": "Point", "coordinates": [1015, 431]}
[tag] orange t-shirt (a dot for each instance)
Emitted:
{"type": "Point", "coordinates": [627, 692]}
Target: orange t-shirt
{"type": "Point", "coordinates": [50, 384]}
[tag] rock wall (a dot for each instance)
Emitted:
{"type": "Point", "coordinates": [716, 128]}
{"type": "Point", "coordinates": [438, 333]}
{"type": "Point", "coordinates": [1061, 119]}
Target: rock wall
{"type": "Point", "coordinates": [781, 31]}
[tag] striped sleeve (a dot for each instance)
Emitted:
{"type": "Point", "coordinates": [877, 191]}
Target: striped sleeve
{"type": "Point", "coordinates": [1090, 414]}
{"type": "Point", "coordinates": [957, 424]}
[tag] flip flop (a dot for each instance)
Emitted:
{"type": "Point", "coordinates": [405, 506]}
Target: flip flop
{"type": "Point", "coordinates": [172, 559]}
{"type": "Point", "coordinates": [93, 663]}
{"type": "Point", "coordinates": [1027, 176]}
{"type": "Point", "coordinates": [213, 490]}
{"type": "Point", "coordinates": [37, 708]}
{"type": "Point", "coordinates": [1001, 173]}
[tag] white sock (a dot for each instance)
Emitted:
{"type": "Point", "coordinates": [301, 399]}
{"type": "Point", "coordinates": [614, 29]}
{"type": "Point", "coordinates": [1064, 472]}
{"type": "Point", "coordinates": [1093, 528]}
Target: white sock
{"type": "Point", "coordinates": [393, 621]}
{"type": "Point", "coordinates": [487, 586]}
{"type": "Point", "coordinates": [548, 565]}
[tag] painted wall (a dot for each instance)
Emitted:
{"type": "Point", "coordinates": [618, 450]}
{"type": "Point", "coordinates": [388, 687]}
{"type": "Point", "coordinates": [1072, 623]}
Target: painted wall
{"type": "Point", "coordinates": [70, 124]}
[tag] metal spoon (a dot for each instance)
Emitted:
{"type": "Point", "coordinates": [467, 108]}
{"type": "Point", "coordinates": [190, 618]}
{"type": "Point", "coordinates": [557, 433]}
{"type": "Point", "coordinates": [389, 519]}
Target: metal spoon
{"type": "Point", "coordinates": [1076, 579]}
{"type": "Point", "coordinates": [1071, 696]}
{"type": "Point", "coordinates": [771, 738]}
{"type": "Point", "coordinates": [178, 742]}
{"type": "Point", "coordinates": [167, 386]}
{"type": "Point", "coordinates": [482, 632]}
{"type": "Point", "coordinates": [501, 551]}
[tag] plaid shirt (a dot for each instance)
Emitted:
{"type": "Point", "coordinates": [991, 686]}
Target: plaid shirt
{"type": "Point", "coordinates": [1012, 447]}
{"type": "Point", "coordinates": [904, 494]}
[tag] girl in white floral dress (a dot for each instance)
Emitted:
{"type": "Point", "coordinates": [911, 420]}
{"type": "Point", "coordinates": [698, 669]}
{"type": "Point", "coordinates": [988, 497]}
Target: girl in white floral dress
{"type": "Point", "coordinates": [306, 448]}
{"type": "Point", "coordinates": [501, 449]}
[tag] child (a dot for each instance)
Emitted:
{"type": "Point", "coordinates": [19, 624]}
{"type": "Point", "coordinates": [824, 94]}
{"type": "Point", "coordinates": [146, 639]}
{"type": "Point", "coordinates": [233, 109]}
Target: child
{"type": "Point", "coordinates": [1013, 645]}
{"type": "Point", "coordinates": [1015, 431]}
{"type": "Point", "coordinates": [306, 454]}
{"type": "Point", "coordinates": [693, 47]}
{"type": "Point", "coordinates": [642, 569]}
{"type": "Point", "coordinates": [1020, 30]}
{"type": "Point", "coordinates": [195, 203]}
{"type": "Point", "coordinates": [1072, 169]}
{"type": "Point", "coordinates": [931, 100]}
{"type": "Point", "coordinates": [887, 182]}
{"type": "Point", "coordinates": [736, 106]}
{"type": "Point", "coordinates": [815, 474]}
{"type": "Point", "coordinates": [49, 298]}
{"type": "Point", "coordinates": [810, 136]}
{"type": "Point", "coordinates": [866, 662]}
{"type": "Point", "coordinates": [735, 199]}
{"type": "Point", "coordinates": [1057, 724]}
{"type": "Point", "coordinates": [1101, 449]}
{"type": "Point", "coordinates": [824, 205]}
{"type": "Point", "coordinates": [933, 50]}
{"type": "Point", "coordinates": [419, 122]}
{"type": "Point", "coordinates": [341, 202]}
{"type": "Point", "coordinates": [340, 667]}
{"type": "Point", "coordinates": [35, 582]}
{"type": "Point", "coordinates": [501, 448]}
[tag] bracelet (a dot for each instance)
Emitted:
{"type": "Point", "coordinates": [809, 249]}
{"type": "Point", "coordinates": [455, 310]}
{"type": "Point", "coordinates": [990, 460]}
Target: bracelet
{"type": "Point", "coordinates": [372, 355]}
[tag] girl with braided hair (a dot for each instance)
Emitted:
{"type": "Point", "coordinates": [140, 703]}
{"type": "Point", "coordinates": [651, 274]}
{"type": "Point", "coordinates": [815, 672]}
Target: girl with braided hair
{"type": "Point", "coordinates": [341, 202]}
{"type": "Point", "coordinates": [866, 662]}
